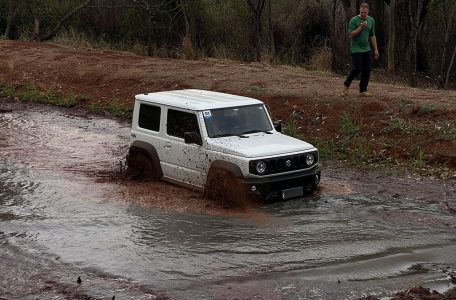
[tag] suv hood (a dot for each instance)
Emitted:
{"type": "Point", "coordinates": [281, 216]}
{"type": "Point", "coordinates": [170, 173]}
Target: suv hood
{"type": "Point", "coordinates": [258, 145]}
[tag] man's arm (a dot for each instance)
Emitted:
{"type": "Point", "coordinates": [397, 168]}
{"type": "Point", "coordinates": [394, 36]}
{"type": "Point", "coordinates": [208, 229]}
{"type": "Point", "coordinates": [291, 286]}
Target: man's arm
{"type": "Point", "coordinates": [357, 31]}
{"type": "Point", "coordinates": [373, 41]}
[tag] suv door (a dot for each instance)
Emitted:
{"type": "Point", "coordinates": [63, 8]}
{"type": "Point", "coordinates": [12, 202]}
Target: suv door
{"type": "Point", "coordinates": [183, 162]}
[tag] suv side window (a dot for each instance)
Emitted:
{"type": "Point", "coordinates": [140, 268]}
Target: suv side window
{"type": "Point", "coordinates": [180, 122]}
{"type": "Point", "coordinates": [149, 117]}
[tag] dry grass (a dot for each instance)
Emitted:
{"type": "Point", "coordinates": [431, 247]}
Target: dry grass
{"type": "Point", "coordinates": [77, 39]}
{"type": "Point", "coordinates": [187, 49]}
{"type": "Point", "coordinates": [321, 59]}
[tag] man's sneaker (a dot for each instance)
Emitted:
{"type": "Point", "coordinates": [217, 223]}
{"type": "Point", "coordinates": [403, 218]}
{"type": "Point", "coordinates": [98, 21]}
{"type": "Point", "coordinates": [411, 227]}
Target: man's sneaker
{"type": "Point", "coordinates": [345, 90]}
{"type": "Point", "coordinates": [365, 94]}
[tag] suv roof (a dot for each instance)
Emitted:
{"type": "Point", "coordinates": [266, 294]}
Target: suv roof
{"type": "Point", "coordinates": [196, 99]}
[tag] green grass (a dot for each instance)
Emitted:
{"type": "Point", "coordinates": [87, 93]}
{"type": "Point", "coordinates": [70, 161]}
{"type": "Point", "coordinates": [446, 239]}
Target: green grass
{"type": "Point", "coordinates": [445, 131]}
{"type": "Point", "coordinates": [30, 93]}
{"type": "Point", "coordinates": [419, 159]}
{"type": "Point", "coordinates": [293, 130]}
{"type": "Point", "coordinates": [349, 127]}
{"type": "Point", "coordinates": [258, 89]}
{"type": "Point", "coordinates": [6, 90]}
{"type": "Point", "coordinates": [396, 124]}
{"type": "Point", "coordinates": [405, 103]}
{"type": "Point", "coordinates": [352, 148]}
{"type": "Point", "coordinates": [427, 109]}
{"type": "Point", "coordinates": [116, 108]}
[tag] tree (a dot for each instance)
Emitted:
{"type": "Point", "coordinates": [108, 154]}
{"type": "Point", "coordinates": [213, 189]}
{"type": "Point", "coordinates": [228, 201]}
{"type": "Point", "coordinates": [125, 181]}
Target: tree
{"type": "Point", "coordinates": [256, 8]}
{"type": "Point", "coordinates": [415, 10]}
{"type": "Point", "coordinates": [392, 37]}
{"type": "Point", "coordinates": [190, 9]}
{"type": "Point", "coordinates": [448, 27]}
{"type": "Point", "coordinates": [347, 9]}
{"type": "Point", "coordinates": [11, 12]}
{"type": "Point", "coordinates": [450, 66]}
{"type": "Point", "coordinates": [270, 31]}
{"type": "Point", "coordinates": [60, 23]}
{"type": "Point", "coordinates": [149, 21]}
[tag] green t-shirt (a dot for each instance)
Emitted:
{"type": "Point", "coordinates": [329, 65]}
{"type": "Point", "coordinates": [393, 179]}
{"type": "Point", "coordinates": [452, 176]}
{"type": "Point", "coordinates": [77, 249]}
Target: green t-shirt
{"type": "Point", "coordinates": [360, 43]}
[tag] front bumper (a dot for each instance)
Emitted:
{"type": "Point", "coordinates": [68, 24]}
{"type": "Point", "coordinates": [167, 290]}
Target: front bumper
{"type": "Point", "coordinates": [283, 186]}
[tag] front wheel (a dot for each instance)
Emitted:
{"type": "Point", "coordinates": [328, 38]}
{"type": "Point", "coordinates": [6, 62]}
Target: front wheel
{"type": "Point", "coordinates": [140, 166]}
{"type": "Point", "coordinates": [222, 186]}
{"type": "Point", "coordinates": [313, 185]}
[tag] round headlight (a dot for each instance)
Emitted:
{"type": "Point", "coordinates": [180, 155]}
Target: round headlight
{"type": "Point", "coordinates": [260, 167]}
{"type": "Point", "coordinates": [310, 159]}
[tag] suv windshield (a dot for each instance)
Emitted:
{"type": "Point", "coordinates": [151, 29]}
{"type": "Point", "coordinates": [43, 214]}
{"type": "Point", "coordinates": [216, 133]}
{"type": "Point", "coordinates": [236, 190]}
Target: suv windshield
{"type": "Point", "coordinates": [236, 121]}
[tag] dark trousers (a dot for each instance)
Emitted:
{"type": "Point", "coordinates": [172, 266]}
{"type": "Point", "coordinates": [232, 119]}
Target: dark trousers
{"type": "Point", "coordinates": [362, 63]}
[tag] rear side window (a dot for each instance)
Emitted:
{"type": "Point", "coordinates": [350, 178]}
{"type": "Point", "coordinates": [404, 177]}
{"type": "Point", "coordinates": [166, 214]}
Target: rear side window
{"type": "Point", "coordinates": [149, 117]}
{"type": "Point", "coordinates": [180, 122]}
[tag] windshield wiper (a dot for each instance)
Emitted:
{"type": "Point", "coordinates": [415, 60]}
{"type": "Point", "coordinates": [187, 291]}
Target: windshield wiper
{"type": "Point", "coordinates": [256, 131]}
{"type": "Point", "coordinates": [228, 134]}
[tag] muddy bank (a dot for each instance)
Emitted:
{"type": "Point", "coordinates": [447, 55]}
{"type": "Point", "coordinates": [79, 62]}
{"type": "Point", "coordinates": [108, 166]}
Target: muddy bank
{"type": "Point", "coordinates": [399, 124]}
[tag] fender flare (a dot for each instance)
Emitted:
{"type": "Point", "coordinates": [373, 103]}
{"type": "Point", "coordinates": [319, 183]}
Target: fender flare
{"type": "Point", "coordinates": [228, 166]}
{"type": "Point", "coordinates": [149, 150]}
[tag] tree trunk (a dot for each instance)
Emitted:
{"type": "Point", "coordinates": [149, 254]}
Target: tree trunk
{"type": "Point", "coordinates": [36, 29]}
{"type": "Point", "coordinates": [392, 37]}
{"type": "Point", "coordinates": [11, 13]}
{"type": "Point", "coordinates": [57, 27]}
{"type": "Point", "coordinates": [149, 17]}
{"type": "Point", "coordinates": [256, 10]}
{"type": "Point", "coordinates": [271, 34]}
{"type": "Point", "coordinates": [348, 15]}
{"type": "Point", "coordinates": [347, 10]}
{"type": "Point", "coordinates": [333, 33]}
{"type": "Point", "coordinates": [190, 42]}
{"type": "Point", "coordinates": [448, 26]}
{"type": "Point", "coordinates": [414, 14]}
{"type": "Point", "coordinates": [192, 13]}
{"type": "Point", "coordinates": [449, 69]}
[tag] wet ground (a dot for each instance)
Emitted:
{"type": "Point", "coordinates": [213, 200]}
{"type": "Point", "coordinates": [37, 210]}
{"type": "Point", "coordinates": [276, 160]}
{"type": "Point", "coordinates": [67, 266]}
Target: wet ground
{"type": "Point", "coordinates": [64, 215]}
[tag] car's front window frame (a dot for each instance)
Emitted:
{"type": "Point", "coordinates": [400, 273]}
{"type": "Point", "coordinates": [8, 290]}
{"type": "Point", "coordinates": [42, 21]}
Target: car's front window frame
{"type": "Point", "coordinates": [237, 121]}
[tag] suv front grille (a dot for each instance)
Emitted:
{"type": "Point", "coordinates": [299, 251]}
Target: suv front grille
{"type": "Point", "coordinates": [284, 163]}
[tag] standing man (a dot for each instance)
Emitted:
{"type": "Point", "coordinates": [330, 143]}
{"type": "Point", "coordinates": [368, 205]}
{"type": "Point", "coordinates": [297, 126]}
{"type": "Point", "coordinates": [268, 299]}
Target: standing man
{"type": "Point", "coordinates": [362, 31]}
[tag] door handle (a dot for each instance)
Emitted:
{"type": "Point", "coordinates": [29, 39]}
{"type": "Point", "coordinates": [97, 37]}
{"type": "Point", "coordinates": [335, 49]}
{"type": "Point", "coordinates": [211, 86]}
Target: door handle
{"type": "Point", "coordinates": [167, 145]}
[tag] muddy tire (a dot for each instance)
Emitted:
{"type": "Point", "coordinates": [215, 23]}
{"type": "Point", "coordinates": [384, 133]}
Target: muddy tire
{"type": "Point", "coordinates": [224, 188]}
{"type": "Point", "coordinates": [140, 166]}
{"type": "Point", "coordinates": [313, 187]}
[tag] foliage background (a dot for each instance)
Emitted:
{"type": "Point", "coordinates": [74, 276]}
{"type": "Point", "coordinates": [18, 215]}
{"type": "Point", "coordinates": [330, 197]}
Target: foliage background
{"type": "Point", "coordinates": [310, 33]}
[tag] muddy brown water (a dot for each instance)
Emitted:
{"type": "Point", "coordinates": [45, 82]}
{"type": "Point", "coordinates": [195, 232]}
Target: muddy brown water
{"type": "Point", "coordinates": [61, 217]}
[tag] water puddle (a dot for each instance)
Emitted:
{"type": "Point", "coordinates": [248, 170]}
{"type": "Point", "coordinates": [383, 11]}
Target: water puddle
{"type": "Point", "coordinates": [64, 213]}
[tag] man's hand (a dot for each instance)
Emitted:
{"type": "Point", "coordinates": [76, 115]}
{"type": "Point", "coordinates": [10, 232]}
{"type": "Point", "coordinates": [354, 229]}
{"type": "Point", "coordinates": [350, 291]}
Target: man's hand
{"type": "Point", "coordinates": [363, 24]}
{"type": "Point", "coordinates": [376, 54]}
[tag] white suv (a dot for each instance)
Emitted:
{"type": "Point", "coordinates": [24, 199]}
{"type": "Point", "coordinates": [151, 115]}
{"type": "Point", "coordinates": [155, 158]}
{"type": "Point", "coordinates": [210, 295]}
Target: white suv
{"type": "Point", "coordinates": [225, 145]}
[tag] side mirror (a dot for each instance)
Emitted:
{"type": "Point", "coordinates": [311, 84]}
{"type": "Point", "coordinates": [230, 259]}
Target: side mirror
{"type": "Point", "coordinates": [192, 137]}
{"type": "Point", "coordinates": [277, 125]}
